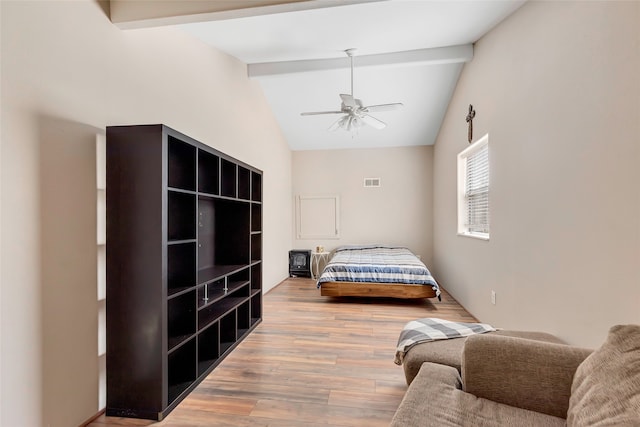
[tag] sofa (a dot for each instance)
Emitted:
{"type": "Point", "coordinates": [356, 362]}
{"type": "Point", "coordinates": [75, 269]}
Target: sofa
{"type": "Point", "coordinates": [513, 381]}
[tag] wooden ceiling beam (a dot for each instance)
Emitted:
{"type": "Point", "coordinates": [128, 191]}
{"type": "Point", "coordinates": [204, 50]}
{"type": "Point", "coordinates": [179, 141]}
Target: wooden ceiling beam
{"type": "Point", "coordinates": [439, 55]}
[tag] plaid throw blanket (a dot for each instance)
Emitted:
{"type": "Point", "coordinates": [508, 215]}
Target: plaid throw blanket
{"type": "Point", "coordinates": [431, 329]}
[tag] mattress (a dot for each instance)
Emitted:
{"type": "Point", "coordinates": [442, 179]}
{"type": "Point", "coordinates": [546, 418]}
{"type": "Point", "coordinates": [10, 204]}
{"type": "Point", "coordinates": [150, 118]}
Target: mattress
{"type": "Point", "coordinates": [377, 264]}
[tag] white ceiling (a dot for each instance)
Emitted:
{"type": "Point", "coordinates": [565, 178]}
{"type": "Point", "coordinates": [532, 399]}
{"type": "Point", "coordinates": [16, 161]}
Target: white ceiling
{"type": "Point", "coordinates": [303, 39]}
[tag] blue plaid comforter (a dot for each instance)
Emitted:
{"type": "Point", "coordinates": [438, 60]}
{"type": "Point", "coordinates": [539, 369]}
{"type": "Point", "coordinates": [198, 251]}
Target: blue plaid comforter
{"type": "Point", "coordinates": [377, 264]}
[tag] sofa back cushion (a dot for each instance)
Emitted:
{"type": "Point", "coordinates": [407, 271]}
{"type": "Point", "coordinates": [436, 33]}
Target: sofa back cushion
{"type": "Point", "coordinates": [606, 386]}
{"type": "Point", "coordinates": [518, 372]}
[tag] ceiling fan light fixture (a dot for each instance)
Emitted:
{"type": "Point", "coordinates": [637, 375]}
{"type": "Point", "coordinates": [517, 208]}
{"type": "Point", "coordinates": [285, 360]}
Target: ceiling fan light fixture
{"type": "Point", "coordinates": [356, 114]}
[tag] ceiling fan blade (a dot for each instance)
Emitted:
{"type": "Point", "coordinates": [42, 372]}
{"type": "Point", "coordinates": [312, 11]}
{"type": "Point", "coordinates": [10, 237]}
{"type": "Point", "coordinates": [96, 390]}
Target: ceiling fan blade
{"type": "Point", "coordinates": [348, 100]}
{"type": "Point", "coordinates": [373, 122]}
{"type": "Point", "coordinates": [382, 107]}
{"type": "Point", "coordinates": [315, 113]}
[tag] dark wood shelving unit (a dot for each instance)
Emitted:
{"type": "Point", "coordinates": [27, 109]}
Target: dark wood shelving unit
{"type": "Point", "coordinates": [184, 265]}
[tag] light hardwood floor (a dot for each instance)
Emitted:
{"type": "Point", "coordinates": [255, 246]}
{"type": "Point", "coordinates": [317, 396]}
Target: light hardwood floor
{"type": "Point", "coordinates": [313, 361]}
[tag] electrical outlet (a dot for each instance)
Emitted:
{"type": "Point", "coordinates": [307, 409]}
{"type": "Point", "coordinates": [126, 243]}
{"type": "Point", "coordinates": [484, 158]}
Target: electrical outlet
{"type": "Point", "coordinates": [493, 297]}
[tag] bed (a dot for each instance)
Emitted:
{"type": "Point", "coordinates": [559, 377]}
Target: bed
{"type": "Point", "coordinates": [377, 271]}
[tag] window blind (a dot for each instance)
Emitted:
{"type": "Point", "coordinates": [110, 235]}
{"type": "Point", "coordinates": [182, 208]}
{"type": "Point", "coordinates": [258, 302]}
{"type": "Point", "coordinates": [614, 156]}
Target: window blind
{"type": "Point", "coordinates": [477, 191]}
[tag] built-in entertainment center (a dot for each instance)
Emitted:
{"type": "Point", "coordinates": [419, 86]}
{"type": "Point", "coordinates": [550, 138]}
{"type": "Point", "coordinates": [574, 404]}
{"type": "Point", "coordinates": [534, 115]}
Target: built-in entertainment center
{"type": "Point", "coordinates": [184, 265]}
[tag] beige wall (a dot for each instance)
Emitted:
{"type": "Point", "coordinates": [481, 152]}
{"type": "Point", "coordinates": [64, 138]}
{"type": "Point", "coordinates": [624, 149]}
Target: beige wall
{"type": "Point", "coordinates": [399, 212]}
{"type": "Point", "coordinates": [556, 87]}
{"type": "Point", "coordinates": [67, 73]}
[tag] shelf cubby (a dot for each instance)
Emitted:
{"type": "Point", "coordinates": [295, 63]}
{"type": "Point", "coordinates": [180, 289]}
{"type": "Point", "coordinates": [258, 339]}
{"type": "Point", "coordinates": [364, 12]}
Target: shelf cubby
{"type": "Point", "coordinates": [256, 276]}
{"type": "Point", "coordinates": [256, 247]}
{"type": "Point", "coordinates": [256, 307]}
{"type": "Point", "coordinates": [233, 231]}
{"type": "Point", "coordinates": [256, 217]}
{"type": "Point", "coordinates": [228, 178]}
{"type": "Point", "coordinates": [182, 164]}
{"type": "Point", "coordinates": [208, 173]}
{"type": "Point", "coordinates": [228, 331]}
{"type": "Point", "coordinates": [208, 348]}
{"type": "Point", "coordinates": [241, 290]}
{"type": "Point", "coordinates": [181, 262]}
{"type": "Point", "coordinates": [244, 183]}
{"type": "Point", "coordinates": [224, 224]}
{"type": "Point", "coordinates": [256, 187]}
{"type": "Point", "coordinates": [243, 317]}
{"type": "Point", "coordinates": [238, 279]}
{"type": "Point", "coordinates": [181, 216]}
{"type": "Point", "coordinates": [181, 369]}
{"type": "Point", "coordinates": [181, 315]}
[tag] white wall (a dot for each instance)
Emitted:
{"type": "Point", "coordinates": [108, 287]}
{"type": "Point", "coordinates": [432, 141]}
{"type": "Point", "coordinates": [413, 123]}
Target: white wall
{"type": "Point", "coordinates": [67, 73]}
{"type": "Point", "coordinates": [399, 212]}
{"type": "Point", "coordinates": [556, 87]}
{"type": "Point", "coordinates": [1, 132]}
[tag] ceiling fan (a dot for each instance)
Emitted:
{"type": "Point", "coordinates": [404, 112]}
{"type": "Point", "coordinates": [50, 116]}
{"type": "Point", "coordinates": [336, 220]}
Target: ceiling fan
{"type": "Point", "coordinates": [355, 113]}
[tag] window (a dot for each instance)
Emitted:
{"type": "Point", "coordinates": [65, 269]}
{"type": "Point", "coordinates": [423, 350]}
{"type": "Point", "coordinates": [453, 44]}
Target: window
{"type": "Point", "coordinates": [473, 190]}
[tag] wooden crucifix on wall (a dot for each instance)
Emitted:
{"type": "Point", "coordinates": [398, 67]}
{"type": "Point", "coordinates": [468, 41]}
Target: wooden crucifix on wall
{"type": "Point", "coordinates": [470, 116]}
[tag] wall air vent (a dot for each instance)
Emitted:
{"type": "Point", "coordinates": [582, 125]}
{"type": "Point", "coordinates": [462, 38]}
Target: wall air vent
{"type": "Point", "coordinates": [372, 182]}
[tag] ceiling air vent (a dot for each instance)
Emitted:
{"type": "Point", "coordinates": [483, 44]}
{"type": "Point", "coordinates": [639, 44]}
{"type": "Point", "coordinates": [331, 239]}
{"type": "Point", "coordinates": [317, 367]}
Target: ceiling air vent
{"type": "Point", "coordinates": [372, 182]}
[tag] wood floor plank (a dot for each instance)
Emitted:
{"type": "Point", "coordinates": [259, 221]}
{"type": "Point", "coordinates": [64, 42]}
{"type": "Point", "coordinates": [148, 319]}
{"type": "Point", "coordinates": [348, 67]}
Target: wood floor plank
{"type": "Point", "coordinates": [313, 361]}
{"type": "Point", "coordinates": [331, 414]}
{"type": "Point", "coordinates": [391, 387]}
{"type": "Point", "coordinates": [262, 390]}
{"type": "Point", "coordinates": [364, 400]}
{"type": "Point", "coordinates": [219, 405]}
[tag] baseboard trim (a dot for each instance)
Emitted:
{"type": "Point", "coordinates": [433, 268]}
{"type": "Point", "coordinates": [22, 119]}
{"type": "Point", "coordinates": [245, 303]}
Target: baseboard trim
{"type": "Point", "coordinates": [92, 419]}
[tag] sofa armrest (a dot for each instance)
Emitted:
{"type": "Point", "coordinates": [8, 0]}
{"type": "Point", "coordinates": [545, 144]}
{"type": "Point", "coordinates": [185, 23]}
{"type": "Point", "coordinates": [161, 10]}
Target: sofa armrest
{"type": "Point", "coordinates": [431, 393]}
{"type": "Point", "coordinates": [519, 372]}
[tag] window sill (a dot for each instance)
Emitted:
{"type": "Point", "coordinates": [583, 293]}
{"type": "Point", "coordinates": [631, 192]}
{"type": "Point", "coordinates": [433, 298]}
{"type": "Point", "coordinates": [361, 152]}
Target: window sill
{"type": "Point", "coordinates": [479, 236]}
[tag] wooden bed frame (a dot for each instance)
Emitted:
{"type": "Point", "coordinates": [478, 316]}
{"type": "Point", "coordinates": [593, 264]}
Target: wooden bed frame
{"type": "Point", "coordinates": [368, 289]}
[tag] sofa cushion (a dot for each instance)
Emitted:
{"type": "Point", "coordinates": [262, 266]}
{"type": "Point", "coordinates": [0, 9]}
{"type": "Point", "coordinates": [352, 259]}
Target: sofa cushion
{"type": "Point", "coordinates": [434, 399]}
{"type": "Point", "coordinates": [449, 352]}
{"type": "Point", "coordinates": [519, 372]}
{"type": "Point", "coordinates": [606, 386]}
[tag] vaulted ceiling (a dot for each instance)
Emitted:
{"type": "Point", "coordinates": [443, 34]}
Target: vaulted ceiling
{"type": "Point", "coordinates": [407, 51]}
